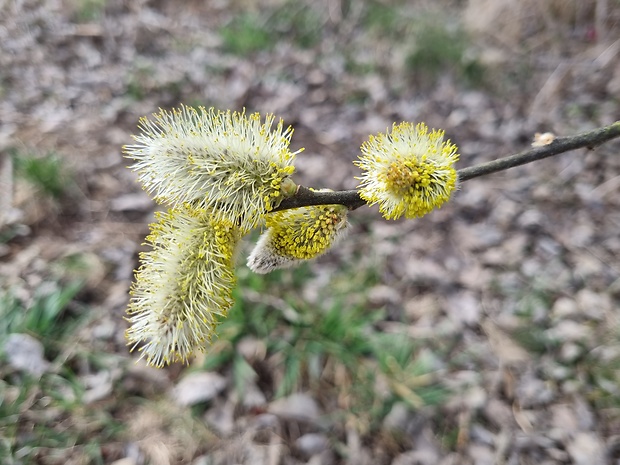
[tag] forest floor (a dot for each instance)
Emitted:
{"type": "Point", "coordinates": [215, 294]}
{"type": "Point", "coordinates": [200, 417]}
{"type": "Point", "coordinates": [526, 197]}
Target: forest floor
{"type": "Point", "coordinates": [486, 332]}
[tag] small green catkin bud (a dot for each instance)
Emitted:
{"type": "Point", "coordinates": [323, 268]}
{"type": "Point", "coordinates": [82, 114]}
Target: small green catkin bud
{"type": "Point", "coordinates": [295, 235]}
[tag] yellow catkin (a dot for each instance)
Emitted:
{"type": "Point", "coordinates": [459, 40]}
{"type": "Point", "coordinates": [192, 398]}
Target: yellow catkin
{"type": "Point", "coordinates": [408, 172]}
{"type": "Point", "coordinates": [183, 286]}
{"type": "Point", "coordinates": [230, 163]}
{"type": "Point", "coordinates": [297, 234]}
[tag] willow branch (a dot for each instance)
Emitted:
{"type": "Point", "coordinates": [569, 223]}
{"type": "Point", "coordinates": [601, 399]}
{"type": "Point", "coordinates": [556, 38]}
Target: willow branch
{"type": "Point", "coordinates": [564, 144]}
{"type": "Point", "coordinates": [305, 197]}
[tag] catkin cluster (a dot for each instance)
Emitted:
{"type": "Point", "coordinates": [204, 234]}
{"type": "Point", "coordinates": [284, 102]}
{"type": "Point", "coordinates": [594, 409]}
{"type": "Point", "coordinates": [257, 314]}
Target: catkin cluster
{"type": "Point", "coordinates": [220, 174]}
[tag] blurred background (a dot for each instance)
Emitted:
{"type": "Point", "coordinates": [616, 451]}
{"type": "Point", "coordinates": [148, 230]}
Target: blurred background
{"type": "Point", "coordinates": [484, 333]}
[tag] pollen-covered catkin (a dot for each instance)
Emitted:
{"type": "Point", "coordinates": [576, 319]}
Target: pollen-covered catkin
{"type": "Point", "coordinates": [409, 171]}
{"type": "Point", "coordinates": [228, 162]}
{"type": "Point", "coordinates": [296, 235]}
{"type": "Point", "coordinates": [183, 286]}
